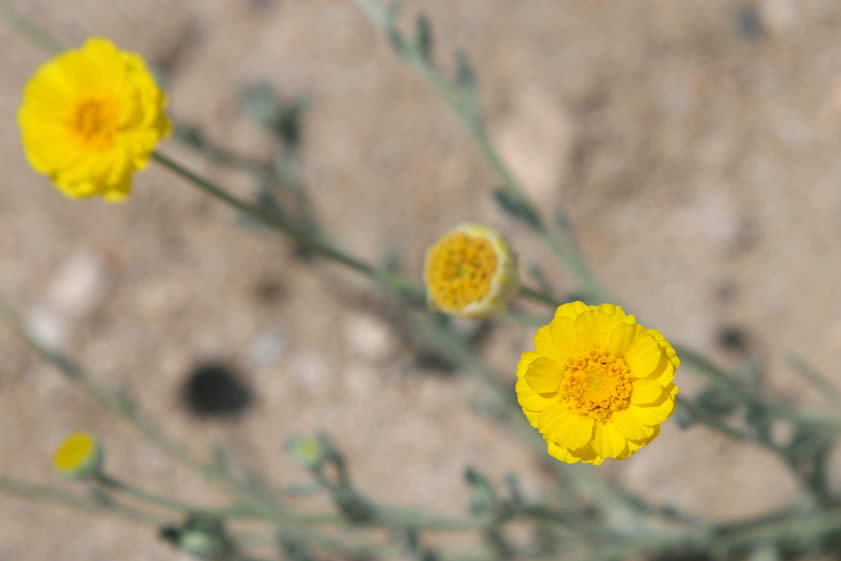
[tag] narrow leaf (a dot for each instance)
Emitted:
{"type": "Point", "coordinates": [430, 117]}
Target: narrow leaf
{"type": "Point", "coordinates": [423, 37]}
{"type": "Point", "coordinates": [465, 76]}
{"type": "Point", "coordinates": [516, 207]}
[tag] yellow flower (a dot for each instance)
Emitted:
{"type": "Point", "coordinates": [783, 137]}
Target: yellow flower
{"type": "Point", "coordinates": [90, 117]}
{"type": "Point", "coordinates": [78, 456]}
{"type": "Point", "coordinates": [471, 272]}
{"type": "Point", "coordinates": [598, 385]}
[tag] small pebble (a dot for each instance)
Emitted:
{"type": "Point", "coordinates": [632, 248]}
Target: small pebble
{"type": "Point", "coordinates": [778, 15]}
{"type": "Point", "coordinates": [267, 347]}
{"type": "Point", "coordinates": [368, 337]}
{"type": "Point", "coordinates": [310, 370]}
{"type": "Point", "coordinates": [79, 285]}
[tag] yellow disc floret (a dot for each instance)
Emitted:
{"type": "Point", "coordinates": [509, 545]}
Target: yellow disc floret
{"type": "Point", "coordinates": [460, 270]}
{"type": "Point", "coordinates": [78, 456]}
{"type": "Point", "coordinates": [470, 272]}
{"type": "Point", "coordinates": [596, 384]}
{"type": "Point", "coordinates": [95, 121]}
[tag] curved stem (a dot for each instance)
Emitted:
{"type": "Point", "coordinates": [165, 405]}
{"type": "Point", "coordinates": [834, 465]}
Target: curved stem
{"type": "Point", "coordinates": [537, 296]}
{"type": "Point", "coordinates": [116, 485]}
{"type": "Point", "coordinates": [58, 496]}
{"type": "Point", "coordinates": [272, 220]}
{"type": "Point", "coordinates": [266, 218]}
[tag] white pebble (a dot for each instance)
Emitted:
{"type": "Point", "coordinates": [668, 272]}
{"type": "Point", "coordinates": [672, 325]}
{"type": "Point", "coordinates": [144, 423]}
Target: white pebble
{"type": "Point", "coordinates": [368, 337]}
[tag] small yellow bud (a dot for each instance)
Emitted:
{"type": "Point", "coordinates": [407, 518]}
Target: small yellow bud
{"type": "Point", "coordinates": [308, 451]}
{"type": "Point", "coordinates": [79, 456]}
{"type": "Point", "coordinates": [471, 272]}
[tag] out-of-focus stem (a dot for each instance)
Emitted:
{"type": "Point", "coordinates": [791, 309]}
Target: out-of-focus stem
{"type": "Point", "coordinates": [313, 242]}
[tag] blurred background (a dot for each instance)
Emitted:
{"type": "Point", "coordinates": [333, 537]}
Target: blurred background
{"type": "Point", "coordinates": [695, 146]}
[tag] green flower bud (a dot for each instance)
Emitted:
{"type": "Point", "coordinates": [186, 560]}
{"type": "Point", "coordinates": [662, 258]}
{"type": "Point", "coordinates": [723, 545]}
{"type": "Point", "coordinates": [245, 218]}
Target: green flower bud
{"type": "Point", "coordinates": [307, 451]}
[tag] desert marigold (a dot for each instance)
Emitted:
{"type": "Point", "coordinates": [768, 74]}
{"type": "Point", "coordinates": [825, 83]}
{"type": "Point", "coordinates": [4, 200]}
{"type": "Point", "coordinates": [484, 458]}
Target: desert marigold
{"type": "Point", "coordinates": [599, 384]}
{"type": "Point", "coordinates": [471, 272]}
{"type": "Point", "coordinates": [78, 456]}
{"type": "Point", "coordinates": [90, 118]}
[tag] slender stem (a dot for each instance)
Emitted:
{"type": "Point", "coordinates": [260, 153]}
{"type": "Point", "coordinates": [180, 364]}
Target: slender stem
{"type": "Point", "coordinates": [387, 516]}
{"type": "Point", "coordinates": [57, 496]}
{"type": "Point", "coordinates": [36, 35]}
{"type": "Point", "coordinates": [827, 388]}
{"type": "Point", "coordinates": [272, 220]}
{"type": "Point", "coordinates": [712, 421]}
{"type": "Point", "coordinates": [193, 138]}
{"type": "Point", "coordinates": [244, 512]}
{"type": "Point", "coordinates": [265, 217]}
{"type": "Point", "coordinates": [537, 296]}
{"type": "Point", "coordinates": [114, 484]}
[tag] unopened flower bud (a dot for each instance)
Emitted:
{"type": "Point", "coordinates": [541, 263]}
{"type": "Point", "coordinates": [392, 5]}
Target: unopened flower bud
{"type": "Point", "coordinates": [79, 456]}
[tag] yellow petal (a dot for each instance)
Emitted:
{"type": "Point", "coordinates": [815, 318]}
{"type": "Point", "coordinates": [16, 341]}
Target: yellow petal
{"type": "Point", "coordinates": [525, 360]}
{"type": "Point", "coordinates": [562, 331]}
{"type": "Point", "coordinates": [544, 375]}
{"type": "Point", "coordinates": [566, 429]}
{"type": "Point", "coordinates": [630, 427]}
{"type": "Point", "coordinates": [634, 445]}
{"type": "Point", "coordinates": [561, 453]}
{"type": "Point", "coordinates": [643, 356]}
{"type": "Point", "coordinates": [587, 455]}
{"type": "Point", "coordinates": [608, 442]}
{"type": "Point", "coordinates": [593, 328]}
{"type": "Point", "coordinates": [530, 401]}
{"type": "Point", "coordinates": [612, 310]}
{"type": "Point", "coordinates": [546, 346]}
{"type": "Point", "coordinates": [667, 376]}
{"type": "Point", "coordinates": [646, 391]}
{"type": "Point", "coordinates": [656, 413]}
{"type": "Point", "coordinates": [584, 454]}
{"type": "Point", "coordinates": [571, 310]}
{"type": "Point", "coordinates": [667, 348]}
{"type": "Point", "coordinates": [621, 337]}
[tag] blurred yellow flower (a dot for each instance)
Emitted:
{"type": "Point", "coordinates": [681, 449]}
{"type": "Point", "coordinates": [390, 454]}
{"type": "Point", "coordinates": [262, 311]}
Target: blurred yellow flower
{"type": "Point", "coordinates": [78, 456]}
{"type": "Point", "coordinates": [471, 272]}
{"type": "Point", "coordinates": [598, 385]}
{"type": "Point", "coordinates": [90, 117]}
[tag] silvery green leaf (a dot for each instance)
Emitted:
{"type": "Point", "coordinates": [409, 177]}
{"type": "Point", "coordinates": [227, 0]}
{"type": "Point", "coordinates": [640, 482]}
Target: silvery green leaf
{"type": "Point", "coordinates": [516, 207]}
{"type": "Point", "coordinates": [717, 401]}
{"type": "Point", "coordinates": [423, 37]}
{"type": "Point", "coordinates": [465, 76]}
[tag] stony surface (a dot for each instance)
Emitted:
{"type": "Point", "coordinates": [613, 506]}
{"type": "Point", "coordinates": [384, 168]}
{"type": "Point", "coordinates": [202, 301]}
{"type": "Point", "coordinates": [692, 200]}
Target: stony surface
{"type": "Point", "coordinates": [696, 154]}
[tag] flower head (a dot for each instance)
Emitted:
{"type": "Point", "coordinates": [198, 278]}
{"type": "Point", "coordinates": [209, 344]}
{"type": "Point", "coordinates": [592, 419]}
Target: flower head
{"type": "Point", "coordinates": [78, 456]}
{"type": "Point", "coordinates": [90, 117]}
{"type": "Point", "coordinates": [471, 272]}
{"type": "Point", "coordinates": [598, 385]}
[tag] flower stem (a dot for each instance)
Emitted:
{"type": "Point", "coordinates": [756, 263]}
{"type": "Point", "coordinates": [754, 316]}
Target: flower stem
{"type": "Point", "coordinates": [36, 35]}
{"type": "Point", "coordinates": [58, 496]}
{"type": "Point", "coordinates": [273, 220]}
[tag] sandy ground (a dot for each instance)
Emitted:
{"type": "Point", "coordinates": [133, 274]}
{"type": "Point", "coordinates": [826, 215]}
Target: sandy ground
{"type": "Point", "coordinates": [696, 152]}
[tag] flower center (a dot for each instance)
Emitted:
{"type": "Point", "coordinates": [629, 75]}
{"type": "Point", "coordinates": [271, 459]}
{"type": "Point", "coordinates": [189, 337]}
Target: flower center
{"type": "Point", "coordinates": [94, 122]}
{"type": "Point", "coordinates": [596, 384]}
{"type": "Point", "coordinates": [460, 270]}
